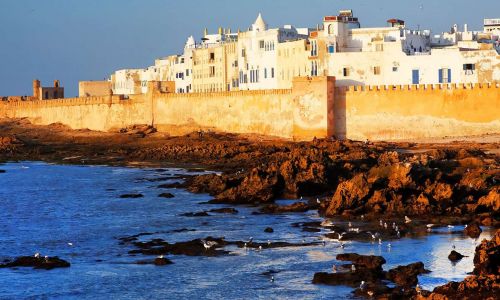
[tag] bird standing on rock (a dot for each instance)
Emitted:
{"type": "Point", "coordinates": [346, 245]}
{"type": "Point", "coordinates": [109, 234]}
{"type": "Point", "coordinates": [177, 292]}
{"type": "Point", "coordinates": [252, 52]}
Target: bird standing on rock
{"type": "Point", "coordinates": [362, 286]}
{"type": "Point", "coordinates": [353, 268]}
{"type": "Point", "coordinates": [407, 220]}
{"type": "Point", "coordinates": [37, 255]}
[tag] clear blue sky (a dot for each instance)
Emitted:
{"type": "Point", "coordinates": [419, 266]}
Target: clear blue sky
{"type": "Point", "coordinates": [74, 40]}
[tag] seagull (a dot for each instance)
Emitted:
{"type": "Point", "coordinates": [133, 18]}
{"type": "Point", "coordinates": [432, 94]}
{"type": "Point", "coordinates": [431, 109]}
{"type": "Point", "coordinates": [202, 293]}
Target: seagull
{"type": "Point", "coordinates": [397, 228]}
{"type": "Point", "coordinates": [342, 245]}
{"type": "Point", "coordinates": [451, 226]}
{"type": "Point", "coordinates": [37, 255]}
{"type": "Point", "coordinates": [353, 268]}
{"type": "Point", "coordinates": [430, 225]}
{"type": "Point", "coordinates": [260, 248]}
{"type": "Point", "coordinates": [208, 244]}
{"type": "Point", "coordinates": [268, 242]}
{"type": "Point", "coordinates": [398, 234]}
{"type": "Point", "coordinates": [272, 278]}
{"type": "Point", "coordinates": [350, 224]}
{"type": "Point", "coordinates": [381, 223]}
{"type": "Point", "coordinates": [370, 293]}
{"type": "Point", "coordinates": [389, 245]}
{"type": "Point", "coordinates": [250, 240]}
{"type": "Point", "coordinates": [317, 201]}
{"type": "Point", "coordinates": [393, 225]}
{"type": "Point", "coordinates": [46, 259]}
{"type": "Point", "coordinates": [385, 225]}
{"type": "Point", "coordinates": [418, 289]}
{"type": "Point", "coordinates": [326, 223]}
{"type": "Point", "coordinates": [362, 286]}
{"type": "Point", "coordinates": [300, 197]}
{"type": "Point", "coordinates": [380, 241]}
{"type": "Point", "coordinates": [70, 244]}
{"type": "Point", "coordinates": [341, 235]}
{"type": "Point", "coordinates": [245, 245]}
{"type": "Point", "coordinates": [160, 257]}
{"type": "Point", "coordinates": [362, 217]}
{"type": "Point", "coordinates": [407, 220]}
{"type": "Point", "coordinates": [372, 235]}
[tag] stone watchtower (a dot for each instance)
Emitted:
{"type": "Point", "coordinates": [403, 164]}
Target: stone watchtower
{"type": "Point", "coordinates": [36, 88]}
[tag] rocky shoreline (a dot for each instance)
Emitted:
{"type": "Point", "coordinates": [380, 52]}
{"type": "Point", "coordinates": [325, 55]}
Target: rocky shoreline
{"type": "Point", "coordinates": [415, 187]}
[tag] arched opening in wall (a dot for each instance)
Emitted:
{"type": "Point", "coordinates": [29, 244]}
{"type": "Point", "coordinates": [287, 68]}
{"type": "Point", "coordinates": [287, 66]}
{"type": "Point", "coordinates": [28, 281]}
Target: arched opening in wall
{"type": "Point", "coordinates": [46, 95]}
{"type": "Point", "coordinates": [330, 29]}
{"type": "Point", "coordinates": [55, 94]}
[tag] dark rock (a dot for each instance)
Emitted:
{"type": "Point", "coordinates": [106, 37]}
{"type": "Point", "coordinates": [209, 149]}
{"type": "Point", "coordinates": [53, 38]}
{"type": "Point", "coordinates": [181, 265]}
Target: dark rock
{"type": "Point", "coordinates": [455, 256]}
{"type": "Point", "coordinates": [166, 195]}
{"type": "Point", "coordinates": [190, 248]}
{"type": "Point", "coordinates": [485, 283]}
{"type": "Point", "coordinates": [311, 229]}
{"type": "Point", "coordinates": [197, 214]}
{"type": "Point", "coordinates": [406, 276]}
{"type": "Point", "coordinates": [162, 261]}
{"type": "Point", "coordinates": [473, 230]}
{"type": "Point", "coordinates": [228, 210]}
{"type": "Point", "coordinates": [269, 230]}
{"type": "Point", "coordinates": [275, 209]}
{"type": "Point", "coordinates": [131, 196]}
{"type": "Point", "coordinates": [36, 262]}
{"type": "Point", "coordinates": [2, 171]}
{"type": "Point", "coordinates": [171, 185]}
{"type": "Point", "coordinates": [363, 261]}
{"type": "Point", "coordinates": [487, 256]}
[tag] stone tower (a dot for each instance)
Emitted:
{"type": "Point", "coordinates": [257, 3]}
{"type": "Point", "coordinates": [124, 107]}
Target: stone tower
{"type": "Point", "coordinates": [36, 88]}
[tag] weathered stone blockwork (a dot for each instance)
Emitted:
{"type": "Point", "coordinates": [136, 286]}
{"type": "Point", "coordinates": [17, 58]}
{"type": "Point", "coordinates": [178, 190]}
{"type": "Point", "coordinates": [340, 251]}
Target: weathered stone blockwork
{"type": "Point", "coordinates": [417, 111]}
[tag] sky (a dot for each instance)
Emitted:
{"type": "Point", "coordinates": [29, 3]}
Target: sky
{"type": "Point", "coordinates": [73, 40]}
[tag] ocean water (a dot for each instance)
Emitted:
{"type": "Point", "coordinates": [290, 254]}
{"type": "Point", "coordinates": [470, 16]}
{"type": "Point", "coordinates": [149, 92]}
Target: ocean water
{"type": "Point", "coordinates": [44, 207]}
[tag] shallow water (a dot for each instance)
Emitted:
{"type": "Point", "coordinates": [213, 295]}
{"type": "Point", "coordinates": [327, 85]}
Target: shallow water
{"type": "Point", "coordinates": [44, 207]}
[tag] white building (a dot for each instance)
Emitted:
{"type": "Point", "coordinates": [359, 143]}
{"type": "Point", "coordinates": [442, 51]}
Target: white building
{"type": "Point", "coordinates": [263, 58]}
{"type": "Point", "coordinates": [257, 54]}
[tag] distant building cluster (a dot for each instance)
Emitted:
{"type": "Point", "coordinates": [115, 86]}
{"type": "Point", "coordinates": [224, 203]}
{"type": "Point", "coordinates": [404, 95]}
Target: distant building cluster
{"type": "Point", "coordinates": [269, 58]}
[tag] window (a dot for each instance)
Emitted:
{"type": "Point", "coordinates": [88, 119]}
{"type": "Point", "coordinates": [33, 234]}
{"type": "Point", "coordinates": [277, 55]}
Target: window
{"type": "Point", "coordinates": [444, 75]}
{"type": "Point", "coordinates": [265, 73]}
{"type": "Point", "coordinates": [314, 48]}
{"type": "Point", "coordinates": [394, 69]}
{"type": "Point", "coordinates": [379, 47]}
{"type": "Point", "coordinates": [331, 49]}
{"type": "Point", "coordinates": [345, 72]}
{"type": "Point", "coordinates": [376, 70]}
{"type": "Point", "coordinates": [272, 72]}
{"type": "Point", "coordinates": [243, 53]}
{"type": "Point", "coordinates": [261, 44]}
{"type": "Point", "coordinates": [469, 69]}
{"type": "Point", "coordinates": [212, 71]}
{"type": "Point", "coordinates": [212, 56]}
{"type": "Point", "coordinates": [330, 29]}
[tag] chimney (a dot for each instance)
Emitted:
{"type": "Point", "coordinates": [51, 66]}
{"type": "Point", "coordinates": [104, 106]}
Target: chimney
{"type": "Point", "coordinates": [36, 89]}
{"type": "Point", "coordinates": [56, 83]}
{"type": "Point", "coordinates": [220, 31]}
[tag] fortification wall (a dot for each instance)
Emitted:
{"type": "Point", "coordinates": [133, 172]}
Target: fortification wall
{"type": "Point", "coordinates": [95, 113]}
{"type": "Point", "coordinates": [417, 111]}
{"type": "Point", "coordinates": [300, 113]}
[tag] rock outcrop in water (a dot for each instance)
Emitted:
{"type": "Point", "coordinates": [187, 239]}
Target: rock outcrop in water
{"type": "Point", "coordinates": [46, 263]}
{"type": "Point", "coordinates": [366, 273]}
{"type": "Point", "coordinates": [484, 284]}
